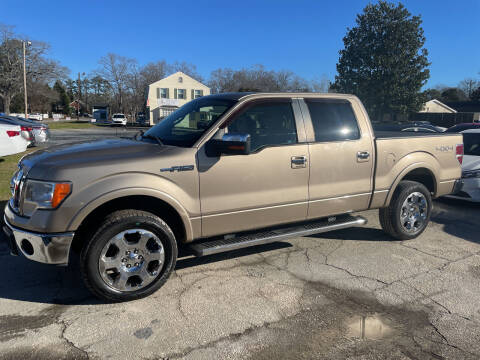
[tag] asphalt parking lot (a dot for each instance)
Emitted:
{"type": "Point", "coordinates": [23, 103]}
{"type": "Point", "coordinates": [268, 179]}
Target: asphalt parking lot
{"type": "Point", "coordinates": [66, 136]}
{"type": "Point", "coordinates": [352, 294]}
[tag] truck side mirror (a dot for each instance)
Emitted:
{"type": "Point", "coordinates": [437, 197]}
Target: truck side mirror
{"type": "Point", "coordinates": [229, 144]}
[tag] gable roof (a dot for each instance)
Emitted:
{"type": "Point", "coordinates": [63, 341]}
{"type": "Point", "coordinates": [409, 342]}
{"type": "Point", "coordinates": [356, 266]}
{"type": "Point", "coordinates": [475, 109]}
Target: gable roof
{"type": "Point", "coordinates": [179, 74]}
{"type": "Point", "coordinates": [439, 103]}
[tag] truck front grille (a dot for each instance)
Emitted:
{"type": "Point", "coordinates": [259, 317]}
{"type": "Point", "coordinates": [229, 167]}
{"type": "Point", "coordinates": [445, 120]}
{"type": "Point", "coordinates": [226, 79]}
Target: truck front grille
{"type": "Point", "coordinates": [16, 187]}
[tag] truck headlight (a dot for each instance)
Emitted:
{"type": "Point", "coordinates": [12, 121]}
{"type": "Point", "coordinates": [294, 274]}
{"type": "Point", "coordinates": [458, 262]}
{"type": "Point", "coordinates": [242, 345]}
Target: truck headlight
{"type": "Point", "coordinates": [47, 195]}
{"type": "Point", "coordinates": [471, 174]}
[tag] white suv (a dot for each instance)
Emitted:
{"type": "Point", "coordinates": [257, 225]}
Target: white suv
{"type": "Point", "coordinates": [119, 119]}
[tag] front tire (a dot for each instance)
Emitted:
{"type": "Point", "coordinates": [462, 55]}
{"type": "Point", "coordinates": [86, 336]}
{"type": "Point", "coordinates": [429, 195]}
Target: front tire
{"type": "Point", "coordinates": [409, 211]}
{"type": "Point", "coordinates": [129, 257]}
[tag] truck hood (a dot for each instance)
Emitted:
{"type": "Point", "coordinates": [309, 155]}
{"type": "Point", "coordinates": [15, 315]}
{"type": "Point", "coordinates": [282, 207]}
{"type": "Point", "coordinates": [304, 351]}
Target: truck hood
{"type": "Point", "coordinates": [53, 162]}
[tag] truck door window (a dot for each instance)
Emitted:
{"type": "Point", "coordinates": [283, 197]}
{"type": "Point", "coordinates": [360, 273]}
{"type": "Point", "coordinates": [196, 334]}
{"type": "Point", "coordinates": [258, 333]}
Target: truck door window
{"type": "Point", "coordinates": [268, 124]}
{"type": "Point", "coordinates": [333, 120]}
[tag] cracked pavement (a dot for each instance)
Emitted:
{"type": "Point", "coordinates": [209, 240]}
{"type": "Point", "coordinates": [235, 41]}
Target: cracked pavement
{"type": "Point", "coordinates": [351, 293]}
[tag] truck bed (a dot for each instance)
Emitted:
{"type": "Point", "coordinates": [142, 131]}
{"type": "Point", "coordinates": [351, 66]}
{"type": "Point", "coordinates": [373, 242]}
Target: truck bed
{"type": "Point", "coordinates": [431, 154]}
{"type": "Point", "coordinates": [407, 134]}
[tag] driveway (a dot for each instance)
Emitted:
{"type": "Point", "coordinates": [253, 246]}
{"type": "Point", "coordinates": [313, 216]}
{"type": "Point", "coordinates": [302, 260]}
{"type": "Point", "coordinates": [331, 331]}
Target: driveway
{"type": "Point", "coordinates": [346, 294]}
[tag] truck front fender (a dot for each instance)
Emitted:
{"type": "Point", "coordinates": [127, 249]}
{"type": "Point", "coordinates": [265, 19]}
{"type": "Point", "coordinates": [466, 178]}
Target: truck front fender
{"type": "Point", "coordinates": [185, 204]}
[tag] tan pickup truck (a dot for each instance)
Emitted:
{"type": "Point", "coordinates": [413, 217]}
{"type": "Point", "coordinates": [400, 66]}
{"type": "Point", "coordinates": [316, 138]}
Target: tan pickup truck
{"type": "Point", "coordinates": [222, 172]}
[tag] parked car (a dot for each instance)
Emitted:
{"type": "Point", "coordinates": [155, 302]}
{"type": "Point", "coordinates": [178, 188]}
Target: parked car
{"type": "Point", "coordinates": [36, 116]}
{"type": "Point", "coordinates": [40, 133]}
{"type": "Point", "coordinates": [223, 172]}
{"type": "Point", "coordinates": [464, 126]}
{"type": "Point", "coordinates": [141, 119]}
{"type": "Point", "coordinates": [471, 167]}
{"type": "Point", "coordinates": [421, 126]}
{"type": "Point", "coordinates": [11, 140]}
{"type": "Point", "coordinates": [119, 119]}
{"type": "Point", "coordinates": [26, 130]}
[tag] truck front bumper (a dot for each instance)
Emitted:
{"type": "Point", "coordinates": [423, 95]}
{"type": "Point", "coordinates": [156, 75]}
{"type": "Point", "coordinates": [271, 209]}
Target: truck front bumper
{"type": "Point", "coordinates": [44, 248]}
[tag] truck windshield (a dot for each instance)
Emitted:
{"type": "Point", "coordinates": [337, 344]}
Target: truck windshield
{"type": "Point", "coordinates": [185, 126]}
{"type": "Point", "coordinates": [471, 142]}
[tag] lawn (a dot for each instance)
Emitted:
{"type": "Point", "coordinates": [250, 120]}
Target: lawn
{"type": "Point", "coordinates": [8, 165]}
{"type": "Point", "coordinates": [70, 125]}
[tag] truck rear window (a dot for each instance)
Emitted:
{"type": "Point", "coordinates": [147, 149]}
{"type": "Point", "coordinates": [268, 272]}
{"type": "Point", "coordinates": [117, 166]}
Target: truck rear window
{"type": "Point", "coordinates": [333, 120]}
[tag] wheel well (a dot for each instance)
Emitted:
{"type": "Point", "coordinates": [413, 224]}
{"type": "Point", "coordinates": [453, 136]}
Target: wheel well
{"type": "Point", "coordinates": [423, 176]}
{"type": "Point", "coordinates": [145, 203]}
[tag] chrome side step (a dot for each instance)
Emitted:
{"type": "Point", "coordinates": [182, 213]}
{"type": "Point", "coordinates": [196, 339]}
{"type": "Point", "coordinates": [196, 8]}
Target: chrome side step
{"type": "Point", "coordinates": [213, 246]}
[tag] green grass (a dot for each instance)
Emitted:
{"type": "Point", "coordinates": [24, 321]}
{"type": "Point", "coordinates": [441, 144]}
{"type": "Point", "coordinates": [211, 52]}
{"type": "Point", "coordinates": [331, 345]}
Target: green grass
{"type": "Point", "coordinates": [8, 165]}
{"type": "Point", "coordinates": [70, 125]}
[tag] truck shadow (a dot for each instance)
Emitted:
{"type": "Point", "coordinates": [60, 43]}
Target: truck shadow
{"type": "Point", "coordinates": [358, 234]}
{"type": "Point", "coordinates": [459, 218]}
{"type": "Point", "coordinates": [25, 280]}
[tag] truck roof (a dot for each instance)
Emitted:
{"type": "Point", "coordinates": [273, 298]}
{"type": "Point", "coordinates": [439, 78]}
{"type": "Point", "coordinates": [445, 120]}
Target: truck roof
{"type": "Point", "coordinates": [241, 95]}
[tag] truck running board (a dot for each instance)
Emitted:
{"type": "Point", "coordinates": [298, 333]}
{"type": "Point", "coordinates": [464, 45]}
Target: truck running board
{"type": "Point", "coordinates": [217, 245]}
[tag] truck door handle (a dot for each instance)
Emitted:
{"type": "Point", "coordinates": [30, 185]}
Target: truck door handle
{"type": "Point", "coordinates": [363, 155]}
{"type": "Point", "coordinates": [298, 162]}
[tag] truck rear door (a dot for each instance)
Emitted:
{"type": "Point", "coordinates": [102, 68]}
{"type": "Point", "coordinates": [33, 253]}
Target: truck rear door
{"type": "Point", "coordinates": [341, 155]}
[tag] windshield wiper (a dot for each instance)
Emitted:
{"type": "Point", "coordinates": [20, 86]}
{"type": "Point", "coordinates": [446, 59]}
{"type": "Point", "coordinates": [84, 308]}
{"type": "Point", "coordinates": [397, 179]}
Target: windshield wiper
{"type": "Point", "coordinates": [154, 137]}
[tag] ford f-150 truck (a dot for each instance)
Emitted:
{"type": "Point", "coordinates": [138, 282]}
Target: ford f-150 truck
{"type": "Point", "coordinates": [222, 172]}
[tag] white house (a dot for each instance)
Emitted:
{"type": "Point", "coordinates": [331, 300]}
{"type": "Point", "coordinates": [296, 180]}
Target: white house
{"type": "Point", "coordinates": [168, 94]}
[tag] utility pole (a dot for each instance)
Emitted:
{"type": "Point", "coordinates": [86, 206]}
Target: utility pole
{"type": "Point", "coordinates": [78, 97]}
{"type": "Point", "coordinates": [25, 75]}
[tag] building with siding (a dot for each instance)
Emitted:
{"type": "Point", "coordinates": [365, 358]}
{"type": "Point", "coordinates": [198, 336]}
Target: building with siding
{"type": "Point", "coordinates": [168, 94]}
{"type": "Point", "coordinates": [436, 106]}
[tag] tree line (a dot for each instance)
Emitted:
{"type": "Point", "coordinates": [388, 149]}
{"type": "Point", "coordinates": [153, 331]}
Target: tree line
{"type": "Point", "coordinates": [383, 62]}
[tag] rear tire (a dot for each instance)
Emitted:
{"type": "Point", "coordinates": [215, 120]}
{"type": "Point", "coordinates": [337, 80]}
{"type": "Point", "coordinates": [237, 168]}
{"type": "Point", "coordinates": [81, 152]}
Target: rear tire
{"type": "Point", "coordinates": [409, 211]}
{"type": "Point", "coordinates": [129, 257]}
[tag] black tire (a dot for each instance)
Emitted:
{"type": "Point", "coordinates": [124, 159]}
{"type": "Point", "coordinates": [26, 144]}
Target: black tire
{"type": "Point", "coordinates": [390, 216]}
{"type": "Point", "coordinates": [116, 223]}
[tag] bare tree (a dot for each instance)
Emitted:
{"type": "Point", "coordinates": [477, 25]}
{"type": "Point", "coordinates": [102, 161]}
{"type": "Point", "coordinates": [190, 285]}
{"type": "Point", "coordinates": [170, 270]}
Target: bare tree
{"type": "Point", "coordinates": [116, 70]}
{"type": "Point", "coordinates": [154, 71]}
{"type": "Point", "coordinates": [39, 69]}
{"type": "Point", "coordinates": [257, 78]}
{"type": "Point", "coordinates": [468, 86]}
{"type": "Point", "coordinates": [186, 68]}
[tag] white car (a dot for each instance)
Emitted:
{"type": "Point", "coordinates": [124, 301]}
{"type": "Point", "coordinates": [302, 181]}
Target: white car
{"type": "Point", "coordinates": [36, 116]}
{"type": "Point", "coordinates": [470, 167]}
{"type": "Point", "coordinates": [11, 140]}
{"type": "Point", "coordinates": [119, 119]}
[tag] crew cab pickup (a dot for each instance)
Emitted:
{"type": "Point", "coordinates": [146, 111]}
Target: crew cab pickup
{"type": "Point", "coordinates": [222, 172]}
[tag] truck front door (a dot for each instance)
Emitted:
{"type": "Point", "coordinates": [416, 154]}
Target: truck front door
{"type": "Point", "coordinates": [268, 186]}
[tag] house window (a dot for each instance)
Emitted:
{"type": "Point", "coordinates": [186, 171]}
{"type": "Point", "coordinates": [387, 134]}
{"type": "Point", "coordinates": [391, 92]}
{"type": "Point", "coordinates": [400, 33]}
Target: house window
{"type": "Point", "coordinates": [180, 79]}
{"type": "Point", "coordinates": [165, 111]}
{"type": "Point", "coordinates": [181, 94]}
{"type": "Point", "coordinates": [164, 93]}
{"type": "Point", "coordinates": [197, 94]}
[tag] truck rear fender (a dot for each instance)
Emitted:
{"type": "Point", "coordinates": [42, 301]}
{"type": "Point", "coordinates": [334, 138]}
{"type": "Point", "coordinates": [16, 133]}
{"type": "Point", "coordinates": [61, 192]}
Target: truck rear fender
{"type": "Point", "coordinates": [417, 166]}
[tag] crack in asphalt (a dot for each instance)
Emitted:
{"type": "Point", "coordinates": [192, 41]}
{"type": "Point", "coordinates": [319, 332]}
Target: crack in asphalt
{"type": "Point", "coordinates": [185, 289]}
{"type": "Point", "coordinates": [69, 342]}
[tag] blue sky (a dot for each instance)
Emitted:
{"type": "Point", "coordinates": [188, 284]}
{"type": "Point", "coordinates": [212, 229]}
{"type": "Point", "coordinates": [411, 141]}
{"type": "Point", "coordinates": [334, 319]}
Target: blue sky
{"type": "Point", "coordinates": [300, 35]}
